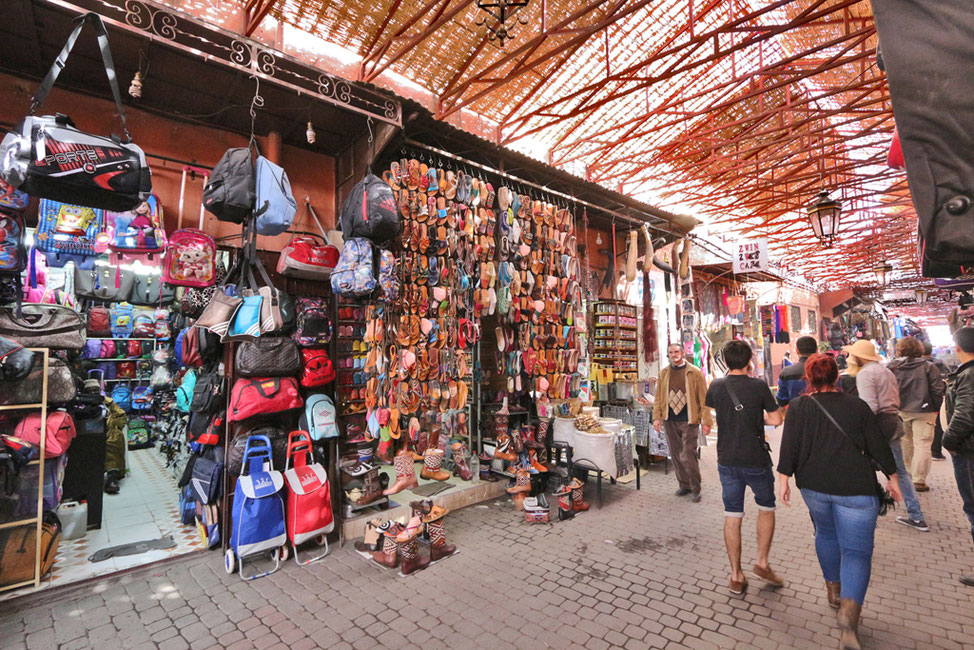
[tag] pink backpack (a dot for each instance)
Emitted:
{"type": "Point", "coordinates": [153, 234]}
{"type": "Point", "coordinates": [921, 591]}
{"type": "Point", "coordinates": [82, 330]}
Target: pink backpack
{"type": "Point", "coordinates": [190, 259]}
{"type": "Point", "coordinates": [60, 432]}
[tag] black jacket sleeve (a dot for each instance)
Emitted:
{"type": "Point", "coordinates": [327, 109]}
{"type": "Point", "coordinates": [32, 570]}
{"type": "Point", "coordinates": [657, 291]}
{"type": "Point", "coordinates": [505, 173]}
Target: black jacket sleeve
{"type": "Point", "coordinates": [937, 386]}
{"type": "Point", "coordinates": [876, 444]}
{"type": "Point", "coordinates": [791, 438]}
{"type": "Point", "coordinates": [961, 426]}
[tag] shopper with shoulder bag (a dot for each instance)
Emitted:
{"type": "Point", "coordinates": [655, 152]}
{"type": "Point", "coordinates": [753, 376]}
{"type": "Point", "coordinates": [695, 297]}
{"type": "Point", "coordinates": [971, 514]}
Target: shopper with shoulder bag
{"type": "Point", "coordinates": [832, 445]}
{"type": "Point", "coordinates": [959, 430]}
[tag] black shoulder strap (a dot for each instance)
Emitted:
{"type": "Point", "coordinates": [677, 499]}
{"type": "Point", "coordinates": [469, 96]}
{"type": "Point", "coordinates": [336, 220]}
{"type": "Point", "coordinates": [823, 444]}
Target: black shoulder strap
{"type": "Point", "coordinates": [837, 425]}
{"type": "Point", "coordinates": [62, 58]}
{"type": "Point", "coordinates": [730, 391]}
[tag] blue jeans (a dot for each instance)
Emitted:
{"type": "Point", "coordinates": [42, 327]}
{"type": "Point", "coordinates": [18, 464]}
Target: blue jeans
{"type": "Point", "coordinates": [734, 481]}
{"type": "Point", "coordinates": [906, 483]}
{"type": "Point", "coordinates": [844, 530]}
{"type": "Point", "coordinates": [964, 473]}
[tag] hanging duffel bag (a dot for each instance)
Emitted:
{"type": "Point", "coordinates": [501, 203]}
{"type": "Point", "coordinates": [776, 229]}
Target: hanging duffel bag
{"type": "Point", "coordinates": [306, 257]}
{"type": "Point", "coordinates": [16, 361]}
{"type": "Point", "coordinates": [61, 385]}
{"type": "Point", "coordinates": [43, 326]}
{"type": "Point", "coordinates": [263, 396]}
{"type": "Point", "coordinates": [230, 193]}
{"type": "Point", "coordinates": [275, 204]}
{"type": "Point", "coordinates": [59, 433]}
{"type": "Point", "coordinates": [278, 441]}
{"type": "Point", "coordinates": [48, 157]}
{"type": "Point", "coordinates": [268, 356]}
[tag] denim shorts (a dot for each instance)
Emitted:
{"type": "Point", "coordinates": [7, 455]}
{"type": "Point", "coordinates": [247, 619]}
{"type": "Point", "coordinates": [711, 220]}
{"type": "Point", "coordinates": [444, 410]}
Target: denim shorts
{"type": "Point", "coordinates": [735, 479]}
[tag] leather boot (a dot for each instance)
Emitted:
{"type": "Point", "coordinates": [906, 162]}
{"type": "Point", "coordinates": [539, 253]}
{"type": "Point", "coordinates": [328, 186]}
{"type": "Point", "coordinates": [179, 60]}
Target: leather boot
{"type": "Point", "coordinates": [500, 424]}
{"type": "Point", "coordinates": [833, 589]}
{"type": "Point", "coordinates": [422, 442]}
{"type": "Point", "coordinates": [564, 495]}
{"type": "Point", "coordinates": [542, 434]}
{"type": "Point", "coordinates": [530, 440]}
{"type": "Point", "coordinates": [578, 504]}
{"type": "Point", "coordinates": [503, 449]}
{"type": "Point", "coordinates": [522, 483]}
{"type": "Point", "coordinates": [460, 467]}
{"type": "Point", "coordinates": [371, 489]}
{"type": "Point", "coordinates": [535, 463]}
{"type": "Point", "coordinates": [517, 441]}
{"type": "Point", "coordinates": [388, 556]}
{"type": "Point", "coordinates": [410, 558]}
{"type": "Point", "coordinates": [439, 549]}
{"type": "Point", "coordinates": [485, 473]}
{"type": "Point", "coordinates": [848, 618]}
{"type": "Point", "coordinates": [431, 466]}
{"type": "Point", "coordinates": [405, 473]}
{"type": "Point", "coordinates": [384, 452]}
{"type": "Point", "coordinates": [421, 508]}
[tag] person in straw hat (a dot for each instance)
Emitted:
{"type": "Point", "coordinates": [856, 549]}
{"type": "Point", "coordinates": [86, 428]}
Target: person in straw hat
{"type": "Point", "coordinates": [877, 386]}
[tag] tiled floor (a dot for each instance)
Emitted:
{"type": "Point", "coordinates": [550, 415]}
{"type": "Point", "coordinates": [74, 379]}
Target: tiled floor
{"type": "Point", "coordinates": [146, 507]}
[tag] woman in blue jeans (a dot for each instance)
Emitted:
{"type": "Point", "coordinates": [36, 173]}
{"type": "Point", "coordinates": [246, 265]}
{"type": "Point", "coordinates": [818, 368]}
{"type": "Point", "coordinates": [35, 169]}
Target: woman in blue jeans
{"type": "Point", "coordinates": [825, 429]}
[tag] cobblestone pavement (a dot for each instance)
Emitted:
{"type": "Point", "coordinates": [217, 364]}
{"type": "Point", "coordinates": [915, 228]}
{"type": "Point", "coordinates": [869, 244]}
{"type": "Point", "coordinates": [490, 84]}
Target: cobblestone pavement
{"type": "Point", "coordinates": [648, 570]}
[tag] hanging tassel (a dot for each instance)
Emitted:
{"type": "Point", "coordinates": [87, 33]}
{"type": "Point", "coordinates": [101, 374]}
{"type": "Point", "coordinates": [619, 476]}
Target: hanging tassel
{"type": "Point", "coordinates": [650, 343]}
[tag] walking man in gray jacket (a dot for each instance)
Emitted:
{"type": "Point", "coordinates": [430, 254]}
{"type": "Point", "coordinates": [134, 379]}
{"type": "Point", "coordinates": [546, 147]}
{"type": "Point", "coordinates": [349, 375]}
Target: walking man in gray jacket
{"type": "Point", "coordinates": [877, 387]}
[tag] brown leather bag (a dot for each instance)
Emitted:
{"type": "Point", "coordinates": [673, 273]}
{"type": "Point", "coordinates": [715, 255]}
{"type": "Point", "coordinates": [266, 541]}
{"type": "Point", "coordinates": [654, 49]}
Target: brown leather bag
{"type": "Point", "coordinates": [43, 326]}
{"type": "Point", "coordinates": [17, 552]}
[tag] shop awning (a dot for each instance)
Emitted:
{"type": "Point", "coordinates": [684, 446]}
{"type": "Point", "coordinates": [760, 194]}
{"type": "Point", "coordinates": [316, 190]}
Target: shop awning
{"type": "Point", "coordinates": [725, 269]}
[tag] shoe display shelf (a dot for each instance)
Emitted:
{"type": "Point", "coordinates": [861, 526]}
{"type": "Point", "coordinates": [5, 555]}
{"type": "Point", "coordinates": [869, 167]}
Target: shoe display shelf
{"type": "Point", "coordinates": [614, 330]}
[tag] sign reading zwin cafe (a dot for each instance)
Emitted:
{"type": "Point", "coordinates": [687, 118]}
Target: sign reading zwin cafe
{"type": "Point", "coordinates": [751, 256]}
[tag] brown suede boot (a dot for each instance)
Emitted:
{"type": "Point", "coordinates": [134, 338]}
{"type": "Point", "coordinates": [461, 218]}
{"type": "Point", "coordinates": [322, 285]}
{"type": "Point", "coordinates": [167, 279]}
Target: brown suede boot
{"type": "Point", "coordinates": [460, 467]}
{"type": "Point", "coordinates": [405, 473]}
{"type": "Point", "coordinates": [833, 589]}
{"type": "Point", "coordinates": [848, 618]}
{"type": "Point", "coordinates": [422, 442]}
{"type": "Point", "coordinates": [431, 466]}
{"type": "Point", "coordinates": [578, 504]}
{"type": "Point", "coordinates": [411, 560]}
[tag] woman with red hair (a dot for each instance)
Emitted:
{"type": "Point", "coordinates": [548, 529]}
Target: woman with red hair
{"type": "Point", "coordinates": [827, 441]}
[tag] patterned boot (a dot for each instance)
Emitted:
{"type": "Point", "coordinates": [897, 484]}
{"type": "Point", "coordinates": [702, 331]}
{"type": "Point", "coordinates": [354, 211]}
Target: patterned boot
{"type": "Point", "coordinates": [542, 436]}
{"type": "Point", "coordinates": [578, 504]}
{"type": "Point", "coordinates": [522, 482]}
{"type": "Point", "coordinates": [405, 473]}
{"type": "Point", "coordinates": [439, 549]}
{"type": "Point", "coordinates": [564, 495]}
{"type": "Point", "coordinates": [503, 449]}
{"type": "Point", "coordinates": [485, 473]}
{"type": "Point", "coordinates": [411, 559]}
{"type": "Point", "coordinates": [388, 556]}
{"type": "Point", "coordinates": [460, 467]}
{"type": "Point", "coordinates": [431, 466]}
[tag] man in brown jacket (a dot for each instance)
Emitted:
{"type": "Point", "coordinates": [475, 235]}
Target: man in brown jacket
{"type": "Point", "coordinates": [681, 393]}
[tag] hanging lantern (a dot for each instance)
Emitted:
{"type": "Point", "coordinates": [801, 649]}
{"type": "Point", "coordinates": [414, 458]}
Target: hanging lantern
{"type": "Point", "coordinates": [921, 295]}
{"type": "Point", "coordinates": [823, 215]}
{"type": "Point", "coordinates": [882, 271]}
{"type": "Point", "coordinates": [310, 133]}
{"type": "Point", "coordinates": [135, 88]}
{"type": "Point", "coordinates": [501, 11]}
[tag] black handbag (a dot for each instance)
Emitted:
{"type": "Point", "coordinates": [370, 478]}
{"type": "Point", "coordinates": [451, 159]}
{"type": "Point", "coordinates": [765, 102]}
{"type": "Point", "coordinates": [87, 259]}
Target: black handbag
{"type": "Point", "coordinates": [278, 447]}
{"type": "Point", "coordinates": [48, 157]}
{"type": "Point", "coordinates": [149, 289]}
{"type": "Point", "coordinates": [268, 356]}
{"type": "Point", "coordinates": [230, 193]}
{"type": "Point", "coordinates": [16, 361]}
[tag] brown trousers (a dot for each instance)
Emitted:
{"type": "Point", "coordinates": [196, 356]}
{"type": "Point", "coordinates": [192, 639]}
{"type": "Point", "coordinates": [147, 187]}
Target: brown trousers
{"type": "Point", "coordinates": [683, 440]}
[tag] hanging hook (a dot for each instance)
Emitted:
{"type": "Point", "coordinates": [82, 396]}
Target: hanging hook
{"type": "Point", "coordinates": [255, 103]}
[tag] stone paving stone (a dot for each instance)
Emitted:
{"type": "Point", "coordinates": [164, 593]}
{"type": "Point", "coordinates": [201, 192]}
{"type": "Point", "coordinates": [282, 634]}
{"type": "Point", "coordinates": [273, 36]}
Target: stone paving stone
{"type": "Point", "coordinates": [647, 570]}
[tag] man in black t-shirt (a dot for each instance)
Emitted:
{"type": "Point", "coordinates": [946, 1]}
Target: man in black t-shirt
{"type": "Point", "coordinates": [744, 405]}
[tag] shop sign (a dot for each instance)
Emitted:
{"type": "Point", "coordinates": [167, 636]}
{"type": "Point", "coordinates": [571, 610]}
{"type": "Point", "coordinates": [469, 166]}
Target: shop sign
{"type": "Point", "coordinates": [751, 256]}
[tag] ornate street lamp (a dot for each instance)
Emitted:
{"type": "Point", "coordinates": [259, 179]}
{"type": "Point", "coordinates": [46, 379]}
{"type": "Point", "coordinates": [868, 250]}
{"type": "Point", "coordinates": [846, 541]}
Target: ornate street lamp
{"type": "Point", "coordinates": [921, 295]}
{"type": "Point", "coordinates": [823, 215]}
{"type": "Point", "coordinates": [501, 11]}
{"type": "Point", "coordinates": [882, 271]}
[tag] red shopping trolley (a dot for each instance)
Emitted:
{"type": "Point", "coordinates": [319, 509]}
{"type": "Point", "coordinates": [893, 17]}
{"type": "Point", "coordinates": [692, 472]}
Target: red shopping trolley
{"type": "Point", "coordinates": [309, 514]}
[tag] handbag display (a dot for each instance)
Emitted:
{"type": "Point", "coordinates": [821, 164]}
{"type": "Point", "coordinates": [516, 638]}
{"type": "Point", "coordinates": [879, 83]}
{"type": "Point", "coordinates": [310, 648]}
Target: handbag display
{"type": "Point", "coordinates": [268, 356]}
{"type": "Point", "coordinates": [263, 396]}
{"type": "Point", "coordinates": [16, 361]}
{"type": "Point", "coordinates": [48, 157]}
{"type": "Point", "coordinates": [43, 326]}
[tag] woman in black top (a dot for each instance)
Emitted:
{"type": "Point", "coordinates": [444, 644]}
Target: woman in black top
{"type": "Point", "coordinates": [837, 483]}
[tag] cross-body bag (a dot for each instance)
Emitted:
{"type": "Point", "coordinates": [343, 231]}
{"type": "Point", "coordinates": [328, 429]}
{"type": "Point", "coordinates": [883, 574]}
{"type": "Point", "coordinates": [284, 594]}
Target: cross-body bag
{"type": "Point", "coordinates": [738, 406]}
{"type": "Point", "coordinates": [885, 500]}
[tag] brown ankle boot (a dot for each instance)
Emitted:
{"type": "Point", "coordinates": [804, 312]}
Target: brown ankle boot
{"type": "Point", "coordinates": [833, 589]}
{"type": "Point", "coordinates": [405, 473]}
{"type": "Point", "coordinates": [411, 560]}
{"type": "Point", "coordinates": [387, 556]}
{"type": "Point", "coordinates": [460, 467]}
{"type": "Point", "coordinates": [564, 503]}
{"type": "Point", "coordinates": [848, 618]}
{"type": "Point", "coordinates": [431, 466]}
{"type": "Point", "coordinates": [503, 449]}
{"type": "Point", "coordinates": [535, 463]}
{"type": "Point", "coordinates": [522, 482]}
{"type": "Point", "coordinates": [439, 549]}
{"type": "Point", "coordinates": [578, 504]}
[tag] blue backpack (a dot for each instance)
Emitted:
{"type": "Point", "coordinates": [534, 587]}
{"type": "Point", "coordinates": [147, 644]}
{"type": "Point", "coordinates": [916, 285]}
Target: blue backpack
{"type": "Point", "coordinates": [67, 232]}
{"type": "Point", "coordinates": [275, 204]}
{"type": "Point", "coordinates": [141, 398]}
{"type": "Point", "coordinates": [354, 274]}
{"type": "Point", "coordinates": [187, 506]}
{"type": "Point", "coordinates": [184, 394]}
{"type": "Point", "coordinates": [319, 417]}
{"type": "Point", "coordinates": [122, 396]}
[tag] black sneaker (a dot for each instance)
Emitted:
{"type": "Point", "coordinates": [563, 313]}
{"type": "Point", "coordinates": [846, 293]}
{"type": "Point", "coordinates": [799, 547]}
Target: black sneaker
{"type": "Point", "coordinates": [919, 525]}
{"type": "Point", "coordinates": [938, 457]}
{"type": "Point", "coordinates": [682, 492]}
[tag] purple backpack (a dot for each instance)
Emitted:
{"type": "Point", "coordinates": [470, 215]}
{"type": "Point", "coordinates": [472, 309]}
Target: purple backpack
{"type": "Point", "coordinates": [312, 323]}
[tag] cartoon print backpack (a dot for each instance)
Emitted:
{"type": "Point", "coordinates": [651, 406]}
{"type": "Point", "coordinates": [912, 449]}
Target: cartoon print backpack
{"type": "Point", "coordinates": [313, 326]}
{"type": "Point", "coordinates": [121, 315]}
{"type": "Point", "coordinates": [162, 330]}
{"type": "Point", "coordinates": [138, 230]}
{"type": "Point", "coordinates": [143, 324]}
{"type": "Point", "coordinates": [190, 259]}
{"type": "Point", "coordinates": [354, 274]}
{"type": "Point", "coordinates": [137, 434]}
{"type": "Point", "coordinates": [141, 398]}
{"type": "Point", "coordinates": [68, 232]}
{"type": "Point", "coordinates": [122, 396]}
{"type": "Point", "coordinates": [13, 255]}
{"type": "Point", "coordinates": [13, 199]}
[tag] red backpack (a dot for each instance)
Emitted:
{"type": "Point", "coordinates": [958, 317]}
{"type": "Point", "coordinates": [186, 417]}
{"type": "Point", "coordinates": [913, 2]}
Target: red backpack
{"type": "Point", "coordinates": [99, 322]}
{"type": "Point", "coordinates": [263, 396]}
{"type": "Point", "coordinates": [60, 432]}
{"type": "Point", "coordinates": [316, 369]}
